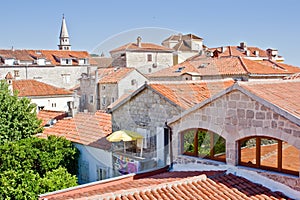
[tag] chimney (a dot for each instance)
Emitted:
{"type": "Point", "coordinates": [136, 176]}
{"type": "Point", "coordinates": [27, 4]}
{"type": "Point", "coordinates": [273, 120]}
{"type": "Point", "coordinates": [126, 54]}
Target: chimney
{"type": "Point", "coordinates": [248, 53]}
{"type": "Point", "coordinates": [256, 52]}
{"type": "Point", "coordinates": [223, 49]}
{"type": "Point", "coordinates": [243, 45]}
{"type": "Point", "coordinates": [138, 41]}
{"type": "Point", "coordinates": [180, 36]}
{"type": "Point", "coordinates": [272, 53]}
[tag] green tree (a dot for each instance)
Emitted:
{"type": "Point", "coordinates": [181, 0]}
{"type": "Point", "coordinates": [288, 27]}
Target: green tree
{"type": "Point", "coordinates": [33, 166]}
{"type": "Point", "coordinates": [18, 117]}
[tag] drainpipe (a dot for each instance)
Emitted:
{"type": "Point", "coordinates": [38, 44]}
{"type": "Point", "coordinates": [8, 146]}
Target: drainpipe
{"type": "Point", "coordinates": [168, 133]}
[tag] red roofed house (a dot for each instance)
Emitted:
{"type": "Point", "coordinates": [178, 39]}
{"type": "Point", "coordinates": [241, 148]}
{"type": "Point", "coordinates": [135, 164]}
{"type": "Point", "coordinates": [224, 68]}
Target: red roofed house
{"type": "Point", "coordinates": [251, 124]}
{"type": "Point", "coordinates": [236, 67]}
{"type": "Point", "coordinates": [88, 133]}
{"type": "Point", "coordinates": [146, 110]}
{"type": "Point", "coordinates": [248, 52]}
{"type": "Point", "coordinates": [146, 57]}
{"type": "Point", "coordinates": [108, 84]}
{"type": "Point", "coordinates": [184, 46]}
{"type": "Point", "coordinates": [45, 96]}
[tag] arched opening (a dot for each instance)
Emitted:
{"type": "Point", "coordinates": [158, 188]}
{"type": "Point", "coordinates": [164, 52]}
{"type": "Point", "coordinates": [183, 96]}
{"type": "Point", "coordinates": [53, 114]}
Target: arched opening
{"type": "Point", "coordinates": [270, 154]}
{"type": "Point", "coordinates": [203, 143]}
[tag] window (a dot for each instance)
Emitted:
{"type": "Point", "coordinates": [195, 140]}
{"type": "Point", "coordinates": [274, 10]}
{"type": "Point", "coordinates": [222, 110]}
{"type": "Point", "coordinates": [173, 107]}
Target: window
{"type": "Point", "coordinates": [53, 105]}
{"type": "Point", "coordinates": [16, 73]}
{"type": "Point", "coordinates": [103, 87]}
{"type": "Point", "coordinates": [83, 172]}
{"type": "Point", "coordinates": [66, 78]}
{"type": "Point", "coordinates": [133, 82]}
{"type": "Point", "coordinates": [91, 98]}
{"type": "Point", "coordinates": [112, 99]}
{"type": "Point", "coordinates": [269, 153]}
{"type": "Point", "coordinates": [149, 57]}
{"type": "Point", "coordinates": [202, 143]}
{"type": "Point", "coordinates": [101, 173]}
{"type": "Point", "coordinates": [104, 100]}
{"type": "Point", "coordinates": [149, 70]}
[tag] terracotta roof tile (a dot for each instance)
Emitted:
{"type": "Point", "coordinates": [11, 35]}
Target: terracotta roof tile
{"type": "Point", "coordinates": [49, 55]}
{"type": "Point", "coordinates": [85, 128]}
{"type": "Point", "coordinates": [29, 88]}
{"type": "Point", "coordinates": [113, 75]}
{"type": "Point", "coordinates": [284, 94]}
{"type": "Point", "coordinates": [46, 115]}
{"type": "Point", "coordinates": [172, 185]}
{"type": "Point", "coordinates": [188, 94]}
{"type": "Point", "coordinates": [225, 66]}
{"type": "Point", "coordinates": [144, 47]}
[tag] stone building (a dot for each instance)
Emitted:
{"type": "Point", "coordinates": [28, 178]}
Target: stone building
{"type": "Point", "coordinates": [256, 125]}
{"type": "Point", "coordinates": [184, 46]}
{"type": "Point", "coordinates": [236, 67]}
{"type": "Point", "coordinates": [107, 85]}
{"type": "Point", "coordinates": [146, 110]}
{"type": "Point", "coordinates": [146, 57]}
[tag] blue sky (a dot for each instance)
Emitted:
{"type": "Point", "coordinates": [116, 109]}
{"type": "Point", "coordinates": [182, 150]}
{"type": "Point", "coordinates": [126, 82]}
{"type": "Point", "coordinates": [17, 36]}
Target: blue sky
{"type": "Point", "coordinates": [35, 24]}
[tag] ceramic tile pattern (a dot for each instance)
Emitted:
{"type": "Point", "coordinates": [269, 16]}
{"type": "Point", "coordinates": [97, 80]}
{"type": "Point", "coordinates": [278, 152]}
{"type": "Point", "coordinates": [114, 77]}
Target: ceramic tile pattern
{"type": "Point", "coordinates": [144, 47]}
{"type": "Point", "coordinates": [29, 88]}
{"type": "Point", "coordinates": [85, 128]}
{"type": "Point", "coordinates": [226, 66]}
{"type": "Point", "coordinates": [50, 55]}
{"type": "Point", "coordinates": [188, 94]}
{"type": "Point", "coordinates": [113, 75]}
{"type": "Point", "coordinates": [284, 94]}
{"type": "Point", "coordinates": [173, 185]}
{"type": "Point", "coordinates": [46, 115]}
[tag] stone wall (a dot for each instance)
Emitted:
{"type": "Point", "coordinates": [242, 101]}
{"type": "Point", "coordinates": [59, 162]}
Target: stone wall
{"type": "Point", "coordinates": [53, 75]}
{"type": "Point", "coordinates": [147, 110]}
{"type": "Point", "coordinates": [235, 116]}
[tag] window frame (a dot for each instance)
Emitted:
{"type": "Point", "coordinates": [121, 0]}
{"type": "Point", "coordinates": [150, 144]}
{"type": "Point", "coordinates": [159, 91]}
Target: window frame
{"type": "Point", "coordinates": [149, 58]}
{"type": "Point", "coordinates": [258, 165]}
{"type": "Point", "coordinates": [211, 155]}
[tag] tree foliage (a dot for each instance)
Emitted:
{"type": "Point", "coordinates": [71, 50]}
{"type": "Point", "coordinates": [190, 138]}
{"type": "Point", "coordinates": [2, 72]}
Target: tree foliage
{"type": "Point", "coordinates": [18, 117]}
{"type": "Point", "coordinates": [33, 166]}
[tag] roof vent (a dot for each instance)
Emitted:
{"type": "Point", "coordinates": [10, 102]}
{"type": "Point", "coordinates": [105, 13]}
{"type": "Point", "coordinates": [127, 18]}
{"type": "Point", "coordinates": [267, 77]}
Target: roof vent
{"type": "Point", "coordinates": [138, 41]}
{"type": "Point", "coordinates": [180, 69]}
{"type": "Point", "coordinates": [203, 65]}
{"type": "Point", "coordinates": [243, 45]}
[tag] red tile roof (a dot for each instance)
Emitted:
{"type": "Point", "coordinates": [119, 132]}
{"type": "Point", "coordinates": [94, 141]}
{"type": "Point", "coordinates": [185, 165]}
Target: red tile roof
{"type": "Point", "coordinates": [237, 51]}
{"type": "Point", "coordinates": [84, 128]}
{"type": "Point", "coordinates": [17, 54]}
{"type": "Point", "coordinates": [284, 94]}
{"type": "Point", "coordinates": [144, 47]}
{"type": "Point", "coordinates": [188, 94]}
{"type": "Point", "coordinates": [49, 55]}
{"type": "Point", "coordinates": [293, 76]}
{"type": "Point", "coordinates": [113, 75]}
{"type": "Point", "coordinates": [171, 185]}
{"type": "Point", "coordinates": [225, 66]}
{"type": "Point", "coordinates": [180, 37]}
{"type": "Point", "coordinates": [46, 115]}
{"type": "Point", "coordinates": [29, 88]}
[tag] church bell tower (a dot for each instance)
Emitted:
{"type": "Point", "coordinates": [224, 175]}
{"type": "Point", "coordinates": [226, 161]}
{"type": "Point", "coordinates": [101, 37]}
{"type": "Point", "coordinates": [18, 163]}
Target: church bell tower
{"type": "Point", "coordinates": [64, 42]}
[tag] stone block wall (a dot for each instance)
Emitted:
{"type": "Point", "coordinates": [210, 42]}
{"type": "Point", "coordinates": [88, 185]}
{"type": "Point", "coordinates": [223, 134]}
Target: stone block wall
{"type": "Point", "coordinates": [235, 116]}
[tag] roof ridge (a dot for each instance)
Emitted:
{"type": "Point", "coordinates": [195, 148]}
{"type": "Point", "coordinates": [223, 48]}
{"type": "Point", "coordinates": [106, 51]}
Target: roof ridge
{"type": "Point", "coordinates": [131, 191]}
